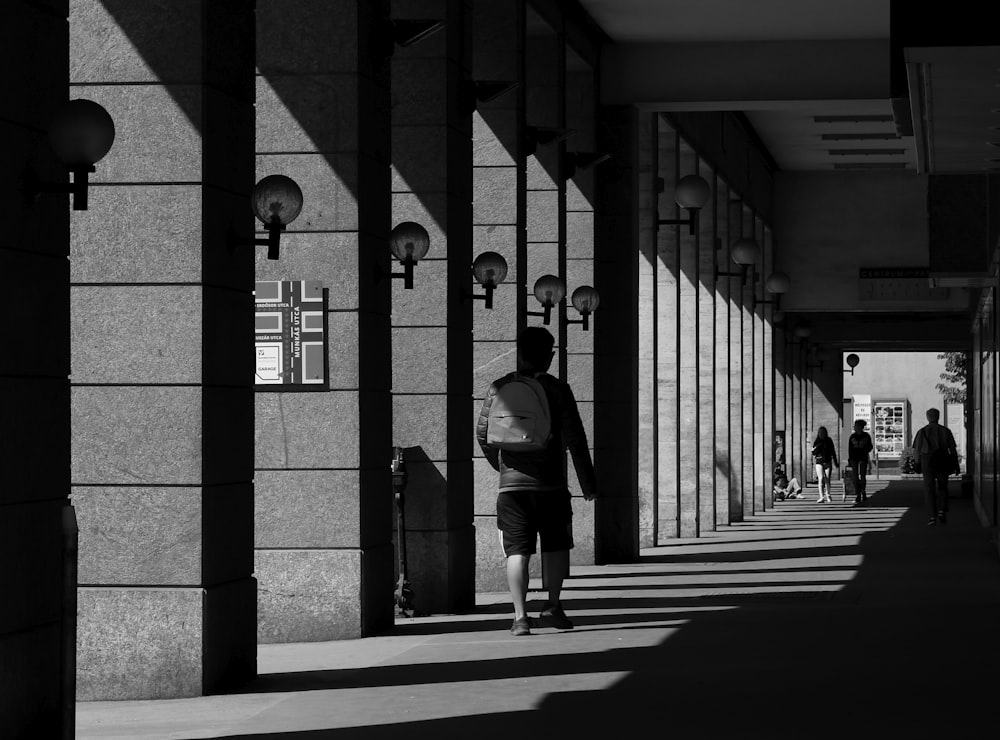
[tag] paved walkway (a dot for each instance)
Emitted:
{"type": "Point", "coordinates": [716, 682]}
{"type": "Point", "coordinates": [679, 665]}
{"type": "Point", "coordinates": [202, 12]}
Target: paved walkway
{"type": "Point", "coordinates": [809, 621]}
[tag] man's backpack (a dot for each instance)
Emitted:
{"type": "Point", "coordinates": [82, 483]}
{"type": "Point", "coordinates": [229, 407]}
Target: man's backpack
{"type": "Point", "coordinates": [519, 419]}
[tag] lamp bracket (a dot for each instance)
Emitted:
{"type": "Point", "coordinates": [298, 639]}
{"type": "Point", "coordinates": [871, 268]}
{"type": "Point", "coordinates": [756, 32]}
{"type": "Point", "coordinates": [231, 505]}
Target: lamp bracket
{"type": "Point", "coordinates": [543, 135]}
{"type": "Point", "coordinates": [406, 275]}
{"type": "Point", "coordinates": [32, 186]}
{"type": "Point", "coordinates": [272, 241]}
{"type": "Point", "coordinates": [485, 91]}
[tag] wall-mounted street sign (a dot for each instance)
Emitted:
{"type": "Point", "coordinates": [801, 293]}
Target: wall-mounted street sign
{"type": "Point", "coordinates": [289, 332]}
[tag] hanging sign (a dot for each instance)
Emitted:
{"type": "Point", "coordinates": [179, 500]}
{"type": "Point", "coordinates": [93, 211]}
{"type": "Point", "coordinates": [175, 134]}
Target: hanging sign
{"type": "Point", "coordinates": [289, 333]}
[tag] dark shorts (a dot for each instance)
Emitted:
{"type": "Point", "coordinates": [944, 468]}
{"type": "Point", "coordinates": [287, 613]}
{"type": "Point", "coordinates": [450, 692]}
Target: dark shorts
{"type": "Point", "coordinates": [524, 516]}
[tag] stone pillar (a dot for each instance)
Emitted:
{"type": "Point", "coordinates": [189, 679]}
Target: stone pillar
{"type": "Point", "coordinates": [432, 323]}
{"type": "Point", "coordinates": [707, 463]}
{"type": "Point", "coordinates": [636, 168]}
{"type": "Point", "coordinates": [324, 506]}
{"type": "Point", "coordinates": [725, 337]}
{"type": "Point", "coordinates": [624, 247]}
{"type": "Point", "coordinates": [498, 217]}
{"type": "Point", "coordinates": [667, 333]}
{"type": "Point", "coordinates": [162, 404]}
{"type": "Point", "coordinates": [579, 203]}
{"type": "Point", "coordinates": [688, 357]}
{"type": "Point", "coordinates": [760, 410]}
{"type": "Point", "coordinates": [748, 377]}
{"type": "Point", "coordinates": [766, 474]}
{"type": "Point", "coordinates": [736, 367]}
{"type": "Point", "coordinates": [34, 378]}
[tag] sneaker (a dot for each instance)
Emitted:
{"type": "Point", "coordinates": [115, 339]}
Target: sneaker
{"type": "Point", "coordinates": [554, 616]}
{"type": "Point", "coordinates": [521, 627]}
{"type": "Point", "coordinates": [941, 518]}
{"type": "Point", "coordinates": [932, 521]}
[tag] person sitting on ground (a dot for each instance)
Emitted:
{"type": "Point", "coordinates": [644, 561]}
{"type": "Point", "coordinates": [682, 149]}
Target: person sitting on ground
{"type": "Point", "coordinates": [784, 488]}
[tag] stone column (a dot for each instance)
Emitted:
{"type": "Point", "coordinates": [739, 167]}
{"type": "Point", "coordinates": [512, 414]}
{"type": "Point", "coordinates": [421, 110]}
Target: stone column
{"type": "Point", "coordinates": [324, 506]}
{"type": "Point", "coordinates": [34, 378]}
{"type": "Point", "coordinates": [766, 475]}
{"type": "Point", "coordinates": [162, 404]}
{"type": "Point", "coordinates": [736, 368]}
{"type": "Point", "coordinates": [498, 213]}
{"type": "Point", "coordinates": [724, 346]}
{"type": "Point", "coordinates": [432, 323]}
{"type": "Point", "coordinates": [748, 377]}
{"type": "Point", "coordinates": [636, 168]}
{"type": "Point", "coordinates": [667, 332]}
{"type": "Point", "coordinates": [707, 464]}
{"type": "Point", "coordinates": [760, 410]}
{"type": "Point", "coordinates": [688, 357]}
{"type": "Point", "coordinates": [579, 203]}
{"type": "Point", "coordinates": [624, 216]}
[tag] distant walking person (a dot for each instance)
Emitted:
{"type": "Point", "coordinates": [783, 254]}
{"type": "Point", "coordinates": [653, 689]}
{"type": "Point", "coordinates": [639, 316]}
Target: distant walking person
{"type": "Point", "coordinates": [824, 454]}
{"type": "Point", "coordinates": [935, 446]}
{"type": "Point", "coordinates": [528, 420]}
{"type": "Point", "coordinates": [859, 445]}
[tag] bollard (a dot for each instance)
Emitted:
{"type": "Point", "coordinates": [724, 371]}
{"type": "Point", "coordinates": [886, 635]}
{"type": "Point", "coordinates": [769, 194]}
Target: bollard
{"type": "Point", "coordinates": [404, 593]}
{"type": "Point", "coordinates": [70, 550]}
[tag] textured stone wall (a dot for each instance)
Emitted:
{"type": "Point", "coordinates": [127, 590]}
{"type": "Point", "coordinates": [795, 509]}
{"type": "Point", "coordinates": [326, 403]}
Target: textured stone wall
{"type": "Point", "coordinates": [323, 521]}
{"type": "Point", "coordinates": [162, 413]}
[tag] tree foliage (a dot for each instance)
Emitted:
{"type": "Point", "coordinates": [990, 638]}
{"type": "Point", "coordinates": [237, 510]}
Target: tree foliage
{"type": "Point", "coordinates": [956, 368]}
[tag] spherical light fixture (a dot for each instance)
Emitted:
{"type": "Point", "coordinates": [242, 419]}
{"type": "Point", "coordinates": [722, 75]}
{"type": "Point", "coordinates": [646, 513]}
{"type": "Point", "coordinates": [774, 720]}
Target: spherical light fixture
{"type": "Point", "coordinates": [777, 283]}
{"type": "Point", "coordinates": [276, 201]}
{"type": "Point", "coordinates": [408, 243]}
{"type": "Point", "coordinates": [852, 361]}
{"type": "Point", "coordinates": [489, 269]}
{"type": "Point", "coordinates": [692, 192]}
{"type": "Point", "coordinates": [745, 251]}
{"type": "Point", "coordinates": [81, 133]}
{"type": "Point", "coordinates": [585, 299]}
{"type": "Point", "coordinates": [549, 290]}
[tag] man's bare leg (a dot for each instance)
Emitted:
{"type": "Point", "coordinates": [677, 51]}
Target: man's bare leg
{"type": "Point", "coordinates": [555, 569]}
{"type": "Point", "coordinates": [517, 582]}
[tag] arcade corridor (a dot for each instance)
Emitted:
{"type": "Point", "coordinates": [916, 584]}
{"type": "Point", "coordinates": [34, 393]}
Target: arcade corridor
{"type": "Point", "coordinates": [809, 621]}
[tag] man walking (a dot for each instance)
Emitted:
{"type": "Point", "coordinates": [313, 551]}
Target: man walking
{"type": "Point", "coordinates": [859, 444]}
{"type": "Point", "coordinates": [533, 500]}
{"type": "Point", "coordinates": [935, 447]}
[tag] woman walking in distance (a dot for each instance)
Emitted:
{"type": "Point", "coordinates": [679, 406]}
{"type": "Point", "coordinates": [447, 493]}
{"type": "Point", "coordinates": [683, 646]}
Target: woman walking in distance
{"type": "Point", "coordinates": [824, 457]}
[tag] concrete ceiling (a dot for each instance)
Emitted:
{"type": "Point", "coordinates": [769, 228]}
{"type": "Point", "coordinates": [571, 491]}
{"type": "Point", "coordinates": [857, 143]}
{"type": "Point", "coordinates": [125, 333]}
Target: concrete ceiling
{"type": "Point", "coordinates": [811, 76]}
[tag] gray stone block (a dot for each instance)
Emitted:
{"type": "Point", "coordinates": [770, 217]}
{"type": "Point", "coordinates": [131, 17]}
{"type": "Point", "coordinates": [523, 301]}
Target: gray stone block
{"type": "Point", "coordinates": [419, 89]}
{"type": "Point", "coordinates": [295, 37]}
{"type": "Point", "coordinates": [301, 113]}
{"type": "Point", "coordinates": [136, 435]}
{"type": "Point", "coordinates": [158, 133]}
{"type": "Point", "coordinates": [138, 41]}
{"type": "Point", "coordinates": [419, 156]}
{"type": "Point", "coordinates": [139, 536]}
{"type": "Point", "coordinates": [308, 595]}
{"type": "Point", "coordinates": [420, 360]}
{"type": "Point", "coordinates": [579, 235]}
{"type": "Point", "coordinates": [333, 259]}
{"type": "Point", "coordinates": [139, 643]}
{"type": "Point", "coordinates": [428, 303]}
{"type": "Point", "coordinates": [485, 482]}
{"type": "Point", "coordinates": [306, 508]}
{"type": "Point", "coordinates": [306, 430]}
{"type": "Point", "coordinates": [342, 337]}
{"type": "Point", "coordinates": [137, 334]}
{"type": "Point", "coordinates": [494, 137]}
{"type": "Point", "coordinates": [494, 196]}
{"type": "Point", "coordinates": [420, 421]}
{"type": "Point", "coordinates": [491, 360]}
{"type": "Point", "coordinates": [139, 233]}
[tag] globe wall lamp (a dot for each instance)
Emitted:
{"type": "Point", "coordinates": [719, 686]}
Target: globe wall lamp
{"type": "Point", "coordinates": [276, 201]}
{"type": "Point", "coordinates": [691, 194]}
{"type": "Point", "coordinates": [80, 134]}
{"type": "Point", "coordinates": [585, 299]}
{"type": "Point", "coordinates": [549, 290]}
{"type": "Point", "coordinates": [745, 253]}
{"type": "Point", "coordinates": [777, 284]}
{"type": "Point", "coordinates": [489, 269]}
{"type": "Point", "coordinates": [574, 161]}
{"type": "Point", "coordinates": [852, 361]}
{"type": "Point", "coordinates": [408, 243]}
